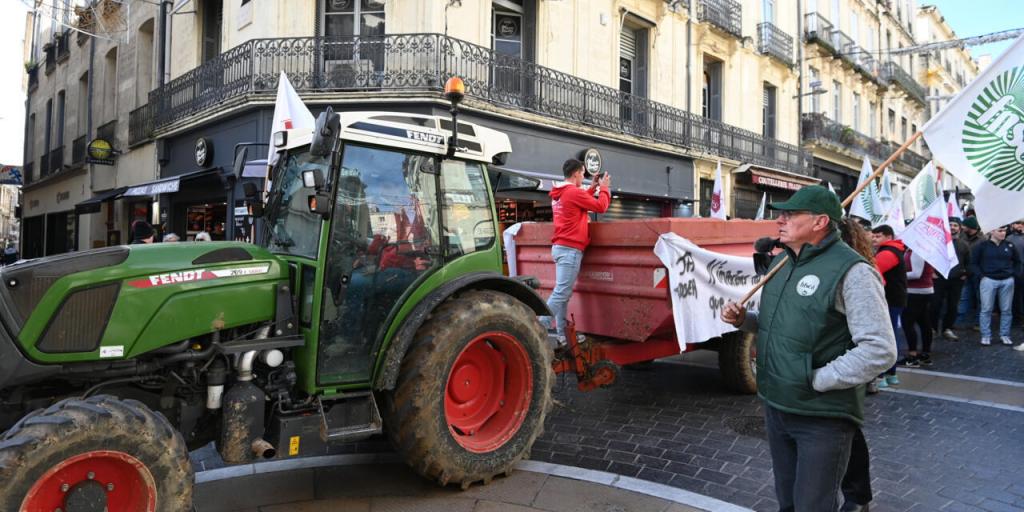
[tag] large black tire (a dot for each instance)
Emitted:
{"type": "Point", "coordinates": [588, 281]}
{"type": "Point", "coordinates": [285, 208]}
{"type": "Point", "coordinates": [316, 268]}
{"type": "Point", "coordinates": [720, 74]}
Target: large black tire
{"type": "Point", "coordinates": [49, 438]}
{"type": "Point", "coordinates": [736, 361]}
{"type": "Point", "coordinates": [416, 409]}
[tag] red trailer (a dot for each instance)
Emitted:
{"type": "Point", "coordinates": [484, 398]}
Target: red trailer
{"type": "Point", "coordinates": [621, 302]}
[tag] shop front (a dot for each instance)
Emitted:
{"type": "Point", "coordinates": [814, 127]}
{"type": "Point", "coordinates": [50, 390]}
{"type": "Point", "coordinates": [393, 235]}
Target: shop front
{"type": "Point", "coordinates": [49, 224]}
{"type": "Point", "coordinates": [753, 182]}
{"type": "Point", "coordinates": [842, 178]}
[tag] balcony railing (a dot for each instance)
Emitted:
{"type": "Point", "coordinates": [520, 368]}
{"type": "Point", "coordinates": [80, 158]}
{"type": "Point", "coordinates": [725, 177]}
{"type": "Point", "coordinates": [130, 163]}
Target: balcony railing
{"type": "Point", "coordinates": [724, 14]}
{"type": "Point", "coordinates": [108, 132]}
{"type": "Point", "coordinates": [817, 127]}
{"type": "Point", "coordinates": [817, 29]}
{"type": "Point", "coordinates": [63, 46]}
{"type": "Point", "coordinates": [56, 160]}
{"type": "Point", "coordinates": [78, 150]}
{"type": "Point", "coordinates": [911, 158]}
{"type": "Point", "coordinates": [140, 125]}
{"type": "Point", "coordinates": [422, 62]}
{"type": "Point", "coordinates": [771, 40]}
{"type": "Point", "coordinates": [44, 164]}
{"type": "Point", "coordinates": [893, 73]}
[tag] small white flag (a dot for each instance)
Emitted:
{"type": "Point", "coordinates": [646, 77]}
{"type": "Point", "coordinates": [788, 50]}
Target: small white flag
{"type": "Point", "coordinates": [863, 205]}
{"type": "Point", "coordinates": [894, 218]}
{"type": "Point", "coordinates": [717, 197]}
{"type": "Point", "coordinates": [830, 189]}
{"type": "Point", "coordinates": [289, 113]}
{"type": "Point", "coordinates": [979, 138]}
{"type": "Point", "coordinates": [885, 198]}
{"type": "Point", "coordinates": [760, 209]}
{"type": "Point", "coordinates": [924, 188]}
{"type": "Point", "coordinates": [953, 209]}
{"type": "Point", "coordinates": [929, 237]}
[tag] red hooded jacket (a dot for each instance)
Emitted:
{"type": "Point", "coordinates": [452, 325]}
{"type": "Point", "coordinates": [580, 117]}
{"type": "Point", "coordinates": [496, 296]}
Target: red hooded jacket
{"type": "Point", "coordinates": [569, 207]}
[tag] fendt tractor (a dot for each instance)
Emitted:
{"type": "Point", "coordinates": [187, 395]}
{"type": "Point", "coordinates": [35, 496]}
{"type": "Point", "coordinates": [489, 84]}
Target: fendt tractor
{"type": "Point", "coordinates": [373, 301]}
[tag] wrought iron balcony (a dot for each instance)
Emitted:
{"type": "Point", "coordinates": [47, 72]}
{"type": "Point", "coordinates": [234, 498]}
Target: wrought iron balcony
{"type": "Point", "coordinates": [724, 14]}
{"type": "Point", "coordinates": [771, 40]}
{"type": "Point", "coordinates": [404, 63]}
{"type": "Point", "coordinates": [893, 73]}
{"type": "Point", "coordinates": [33, 77]}
{"type": "Point", "coordinates": [909, 157]}
{"type": "Point", "coordinates": [817, 29]}
{"type": "Point", "coordinates": [108, 132]}
{"type": "Point", "coordinates": [818, 128]}
{"type": "Point", "coordinates": [78, 150]}
{"type": "Point", "coordinates": [140, 125]}
{"type": "Point", "coordinates": [56, 163]}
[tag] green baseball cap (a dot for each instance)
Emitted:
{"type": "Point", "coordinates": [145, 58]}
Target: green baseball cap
{"type": "Point", "coordinates": [815, 199]}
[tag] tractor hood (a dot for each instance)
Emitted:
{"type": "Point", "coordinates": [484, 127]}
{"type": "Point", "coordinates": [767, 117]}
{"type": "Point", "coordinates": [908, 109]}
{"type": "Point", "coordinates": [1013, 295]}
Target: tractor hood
{"type": "Point", "coordinates": [122, 301]}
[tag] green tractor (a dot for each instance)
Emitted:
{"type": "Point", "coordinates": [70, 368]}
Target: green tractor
{"type": "Point", "coordinates": [374, 302]}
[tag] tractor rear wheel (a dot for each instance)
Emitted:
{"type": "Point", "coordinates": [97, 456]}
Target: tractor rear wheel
{"type": "Point", "coordinates": [737, 356]}
{"type": "Point", "coordinates": [473, 389]}
{"type": "Point", "coordinates": [101, 453]}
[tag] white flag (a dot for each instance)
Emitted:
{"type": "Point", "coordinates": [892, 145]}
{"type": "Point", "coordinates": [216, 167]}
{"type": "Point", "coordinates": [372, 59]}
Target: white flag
{"type": "Point", "coordinates": [863, 205]}
{"type": "Point", "coordinates": [979, 137]}
{"type": "Point", "coordinates": [885, 199]}
{"type": "Point", "coordinates": [930, 238]}
{"type": "Point", "coordinates": [717, 198]}
{"type": "Point", "coordinates": [289, 113]}
{"type": "Point", "coordinates": [953, 209]}
{"type": "Point", "coordinates": [924, 188]}
{"type": "Point", "coordinates": [894, 218]}
{"type": "Point", "coordinates": [760, 209]}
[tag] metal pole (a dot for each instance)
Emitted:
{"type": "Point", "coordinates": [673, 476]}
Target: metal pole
{"type": "Point", "coordinates": [846, 202]}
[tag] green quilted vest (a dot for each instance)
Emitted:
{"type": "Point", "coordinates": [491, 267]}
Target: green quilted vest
{"type": "Point", "coordinates": [799, 329]}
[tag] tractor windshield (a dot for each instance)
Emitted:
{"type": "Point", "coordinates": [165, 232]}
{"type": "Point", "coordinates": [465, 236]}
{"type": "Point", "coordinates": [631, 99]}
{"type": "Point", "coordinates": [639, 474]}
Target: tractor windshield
{"type": "Point", "coordinates": [293, 229]}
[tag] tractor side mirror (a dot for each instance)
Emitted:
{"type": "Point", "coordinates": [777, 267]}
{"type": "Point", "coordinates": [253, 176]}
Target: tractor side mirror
{"type": "Point", "coordinates": [320, 204]}
{"type": "Point", "coordinates": [252, 196]}
{"type": "Point", "coordinates": [240, 158]}
{"type": "Point", "coordinates": [325, 133]}
{"type": "Point", "coordinates": [313, 179]}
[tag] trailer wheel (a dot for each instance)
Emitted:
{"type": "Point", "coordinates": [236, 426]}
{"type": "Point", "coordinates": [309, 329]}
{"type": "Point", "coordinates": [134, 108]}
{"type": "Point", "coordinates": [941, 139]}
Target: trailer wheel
{"type": "Point", "coordinates": [473, 389]}
{"type": "Point", "coordinates": [737, 361]}
{"type": "Point", "coordinates": [102, 453]}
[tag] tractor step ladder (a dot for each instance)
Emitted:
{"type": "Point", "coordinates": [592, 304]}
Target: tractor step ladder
{"type": "Point", "coordinates": [347, 418]}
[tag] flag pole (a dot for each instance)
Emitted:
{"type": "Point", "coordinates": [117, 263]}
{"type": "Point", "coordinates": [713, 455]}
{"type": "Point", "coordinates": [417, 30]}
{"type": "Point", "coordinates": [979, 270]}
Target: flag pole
{"type": "Point", "coordinates": [846, 202]}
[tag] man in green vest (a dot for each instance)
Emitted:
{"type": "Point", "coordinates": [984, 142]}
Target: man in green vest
{"type": "Point", "coordinates": [822, 334]}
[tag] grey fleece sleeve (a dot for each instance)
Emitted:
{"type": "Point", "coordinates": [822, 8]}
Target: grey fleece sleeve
{"type": "Point", "coordinates": [862, 298]}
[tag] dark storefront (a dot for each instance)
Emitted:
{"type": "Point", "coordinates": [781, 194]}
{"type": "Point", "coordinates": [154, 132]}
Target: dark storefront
{"type": "Point", "coordinates": [843, 179]}
{"type": "Point", "coordinates": [752, 183]}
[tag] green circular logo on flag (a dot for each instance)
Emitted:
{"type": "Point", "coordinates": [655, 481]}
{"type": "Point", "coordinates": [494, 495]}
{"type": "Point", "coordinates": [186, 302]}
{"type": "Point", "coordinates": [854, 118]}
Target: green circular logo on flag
{"type": "Point", "coordinates": [994, 131]}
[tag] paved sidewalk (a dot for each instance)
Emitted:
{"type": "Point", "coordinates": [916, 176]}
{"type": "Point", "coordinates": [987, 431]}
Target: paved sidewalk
{"type": "Point", "coordinates": [334, 483]}
{"type": "Point", "coordinates": [997, 393]}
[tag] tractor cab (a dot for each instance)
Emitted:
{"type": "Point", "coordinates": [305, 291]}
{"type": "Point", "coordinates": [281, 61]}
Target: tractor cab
{"type": "Point", "coordinates": [367, 221]}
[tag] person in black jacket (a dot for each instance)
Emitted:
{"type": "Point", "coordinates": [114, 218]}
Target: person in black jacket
{"type": "Point", "coordinates": [996, 261]}
{"type": "Point", "coordinates": [948, 290]}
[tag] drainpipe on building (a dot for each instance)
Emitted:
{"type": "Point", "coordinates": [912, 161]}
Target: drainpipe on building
{"type": "Point", "coordinates": [88, 127]}
{"type": "Point", "coordinates": [164, 35]}
{"type": "Point", "coordinates": [689, 53]}
{"type": "Point", "coordinates": [800, 79]}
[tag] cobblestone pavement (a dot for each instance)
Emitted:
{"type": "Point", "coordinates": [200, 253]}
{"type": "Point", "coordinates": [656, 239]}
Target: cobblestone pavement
{"type": "Point", "coordinates": [674, 424]}
{"type": "Point", "coordinates": [969, 357]}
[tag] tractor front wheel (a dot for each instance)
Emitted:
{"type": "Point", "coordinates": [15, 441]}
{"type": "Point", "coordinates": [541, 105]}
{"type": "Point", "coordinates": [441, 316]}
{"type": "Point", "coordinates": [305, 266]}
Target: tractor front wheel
{"type": "Point", "coordinates": [102, 453]}
{"type": "Point", "coordinates": [737, 361]}
{"type": "Point", "coordinates": [473, 390]}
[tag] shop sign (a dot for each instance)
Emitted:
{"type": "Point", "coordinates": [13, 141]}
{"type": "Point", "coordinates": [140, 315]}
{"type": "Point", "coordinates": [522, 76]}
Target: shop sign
{"type": "Point", "coordinates": [153, 189]}
{"type": "Point", "coordinates": [204, 152]}
{"type": "Point", "coordinates": [101, 152]}
{"type": "Point", "coordinates": [63, 196]}
{"type": "Point", "coordinates": [592, 162]}
{"type": "Point", "coordinates": [775, 182]}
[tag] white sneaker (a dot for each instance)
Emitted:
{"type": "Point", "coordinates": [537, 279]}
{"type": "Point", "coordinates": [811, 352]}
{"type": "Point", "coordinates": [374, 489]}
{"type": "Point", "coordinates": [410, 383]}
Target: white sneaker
{"type": "Point", "coordinates": [950, 335]}
{"type": "Point", "coordinates": [986, 341]}
{"type": "Point", "coordinates": [1019, 348]}
{"type": "Point", "coordinates": [1006, 340]}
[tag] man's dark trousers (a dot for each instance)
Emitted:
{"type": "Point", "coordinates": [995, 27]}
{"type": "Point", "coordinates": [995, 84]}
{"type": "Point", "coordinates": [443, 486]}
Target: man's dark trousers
{"type": "Point", "coordinates": [945, 302]}
{"type": "Point", "coordinates": [857, 482]}
{"type": "Point", "coordinates": [808, 482]}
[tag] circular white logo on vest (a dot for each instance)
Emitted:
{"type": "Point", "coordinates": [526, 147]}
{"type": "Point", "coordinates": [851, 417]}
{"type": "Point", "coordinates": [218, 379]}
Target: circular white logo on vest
{"type": "Point", "coordinates": [808, 285]}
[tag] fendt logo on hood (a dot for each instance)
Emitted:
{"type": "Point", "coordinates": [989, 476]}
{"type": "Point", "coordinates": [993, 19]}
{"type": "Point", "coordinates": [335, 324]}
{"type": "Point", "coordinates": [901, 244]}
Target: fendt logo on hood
{"type": "Point", "coordinates": [189, 276]}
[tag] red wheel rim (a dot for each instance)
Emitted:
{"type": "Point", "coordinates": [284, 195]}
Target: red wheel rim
{"type": "Point", "coordinates": [488, 392]}
{"type": "Point", "coordinates": [129, 484]}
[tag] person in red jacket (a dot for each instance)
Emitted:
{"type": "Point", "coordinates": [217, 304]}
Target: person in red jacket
{"type": "Point", "coordinates": [570, 205]}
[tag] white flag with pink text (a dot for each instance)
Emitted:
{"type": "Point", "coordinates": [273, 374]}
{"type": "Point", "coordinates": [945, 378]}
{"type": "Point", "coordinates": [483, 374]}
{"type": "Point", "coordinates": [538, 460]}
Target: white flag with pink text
{"type": "Point", "coordinates": [930, 238]}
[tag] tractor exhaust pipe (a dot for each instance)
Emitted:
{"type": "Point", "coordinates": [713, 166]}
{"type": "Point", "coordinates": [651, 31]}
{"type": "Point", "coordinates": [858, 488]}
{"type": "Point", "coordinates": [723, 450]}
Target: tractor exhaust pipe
{"type": "Point", "coordinates": [261, 449]}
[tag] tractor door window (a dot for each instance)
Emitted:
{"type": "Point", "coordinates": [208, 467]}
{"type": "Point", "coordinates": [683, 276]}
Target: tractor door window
{"type": "Point", "coordinates": [384, 240]}
{"type": "Point", "coordinates": [468, 224]}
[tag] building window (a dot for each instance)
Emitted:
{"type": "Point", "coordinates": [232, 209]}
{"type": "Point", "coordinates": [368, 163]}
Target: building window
{"type": "Point", "coordinates": [892, 123]}
{"type": "Point", "coordinates": [49, 127]}
{"type": "Point", "coordinates": [835, 13]}
{"type": "Point", "coordinates": [768, 11]}
{"type": "Point", "coordinates": [837, 102]}
{"type": "Point", "coordinates": [903, 128]}
{"type": "Point", "coordinates": [633, 60]}
{"type": "Point", "coordinates": [58, 137]}
{"type": "Point", "coordinates": [83, 105]}
{"type": "Point", "coordinates": [712, 91]}
{"type": "Point", "coordinates": [872, 119]}
{"type": "Point", "coordinates": [144, 63]}
{"type": "Point", "coordinates": [707, 188]}
{"type": "Point", "coordinates": [814, 84]}
{"type": "Point", "coordinates": [507, 29]}
{"type": "Point", "coordinates": [109, 99]}
{"type": "Point", "coordinates": [856, 111]}
{"type": "Point", "coordinates": [344, 18]}
{"type": "Point", "coordinates": [768, 111]}
{"type": "Point", "coordinates": [213, 18]}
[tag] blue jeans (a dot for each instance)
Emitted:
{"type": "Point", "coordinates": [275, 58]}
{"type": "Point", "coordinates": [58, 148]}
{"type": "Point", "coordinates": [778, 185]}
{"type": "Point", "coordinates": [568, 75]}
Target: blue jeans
{"type": "Point", "coordinates": [809, 458]}
{"type": "Point", "coordinates": [991, 290]}
{"type": "Point", "coordinates": [567, 267]}
{"type": "Point", "coordinates": [968, 305]}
